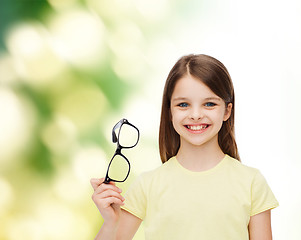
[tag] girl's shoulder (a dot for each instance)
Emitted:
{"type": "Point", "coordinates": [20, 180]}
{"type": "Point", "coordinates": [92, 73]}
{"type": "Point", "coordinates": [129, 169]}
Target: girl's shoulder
{"type": "Point", "coordinates": [157, 173]}
{"type": "Point", "coordinates": [242, 170]}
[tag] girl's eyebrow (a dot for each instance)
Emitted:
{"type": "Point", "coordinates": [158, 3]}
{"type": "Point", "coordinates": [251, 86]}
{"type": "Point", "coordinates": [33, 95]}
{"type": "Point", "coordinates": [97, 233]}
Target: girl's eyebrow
{"type": "Point", "coordinates": [179, 99]}
{"type": "Point", "coordinates": [206, 99]}
{"type": "Point", "coordinates": [213, 98]}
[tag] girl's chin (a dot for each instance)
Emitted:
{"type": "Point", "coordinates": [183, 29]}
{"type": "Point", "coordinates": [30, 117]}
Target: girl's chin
{"type": "Point", "coordinates": [201, 140]}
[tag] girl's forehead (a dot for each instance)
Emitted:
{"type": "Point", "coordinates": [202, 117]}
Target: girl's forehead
{"type": "Point", "coordinates": [190, 87]}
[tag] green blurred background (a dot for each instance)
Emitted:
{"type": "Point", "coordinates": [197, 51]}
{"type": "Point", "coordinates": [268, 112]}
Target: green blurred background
{"type": "Point", "coordinates": [71, 69]}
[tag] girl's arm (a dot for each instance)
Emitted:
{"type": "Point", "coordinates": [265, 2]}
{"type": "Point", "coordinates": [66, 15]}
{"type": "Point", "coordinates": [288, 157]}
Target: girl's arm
{"type": "Point", "coordinates": [260, 226]}
{"type": "Point", "coordinates": [118, 224]}
{"type": "Point", "coordinates": [126, 229]}
{"type": "Point", "coordinates": [128, 226]}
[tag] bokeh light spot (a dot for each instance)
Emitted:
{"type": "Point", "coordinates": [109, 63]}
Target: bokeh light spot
{"type": "Point", "coordinates": [7, 70]}
{"type": "Point", "coordinates": [27, 226]}
{"type": "Point", "coordinates": [59, 135]}
{"type": "Point", "coordinates": [84, 106]}
{"type": "Point", "coordinates": [7, 196]}
{"type": "Point", "coordinates": [16, 124]}
{"type": "Point", "coordinates": [59, 222]}
{"type": "Point", "coordinates": [79, 37]}
{"type": "Point", "coordinates": [69, 188]}
{"type": "Point", "coordinates": [30, 45]}
{"type": "Point", "coordinates": [89, 162]}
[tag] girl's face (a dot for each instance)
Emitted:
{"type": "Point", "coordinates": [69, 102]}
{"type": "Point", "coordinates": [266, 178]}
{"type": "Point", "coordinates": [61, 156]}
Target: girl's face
{"type": "Point", "coordinates": [197, 113]}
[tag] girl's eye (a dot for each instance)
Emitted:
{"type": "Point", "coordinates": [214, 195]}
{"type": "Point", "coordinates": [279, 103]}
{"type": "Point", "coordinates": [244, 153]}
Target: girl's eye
{"type": "Point", "coordinates": [183, 105]}
{"type": "Point", "coordinates": [210, 104]}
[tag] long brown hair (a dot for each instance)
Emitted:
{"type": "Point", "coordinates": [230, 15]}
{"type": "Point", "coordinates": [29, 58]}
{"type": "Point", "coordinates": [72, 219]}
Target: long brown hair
{"type": "Point", "coordinates": [215, 76]}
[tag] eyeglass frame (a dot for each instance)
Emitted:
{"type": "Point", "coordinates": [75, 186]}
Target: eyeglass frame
{"type": "Point", "coordinates": [115, 139]}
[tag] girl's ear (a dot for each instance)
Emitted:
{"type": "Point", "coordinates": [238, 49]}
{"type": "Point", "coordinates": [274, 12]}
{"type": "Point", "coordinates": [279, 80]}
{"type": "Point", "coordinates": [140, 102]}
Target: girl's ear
{"type": "Point", "coordinates": [228, 111]}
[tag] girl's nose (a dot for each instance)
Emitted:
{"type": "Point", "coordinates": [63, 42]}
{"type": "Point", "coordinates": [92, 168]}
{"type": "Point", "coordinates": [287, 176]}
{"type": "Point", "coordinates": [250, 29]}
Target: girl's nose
{"type": "Point", "coordinates": [196, 114]}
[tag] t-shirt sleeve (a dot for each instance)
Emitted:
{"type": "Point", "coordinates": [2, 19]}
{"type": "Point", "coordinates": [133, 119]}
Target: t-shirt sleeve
{"type": "Point", "coordinates": [135, 198]}
{"type": "Point", "coordinates": [261, 195]}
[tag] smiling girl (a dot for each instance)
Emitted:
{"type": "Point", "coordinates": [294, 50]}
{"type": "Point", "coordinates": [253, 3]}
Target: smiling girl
{"type": "Point", "coordinates": [202, 190]}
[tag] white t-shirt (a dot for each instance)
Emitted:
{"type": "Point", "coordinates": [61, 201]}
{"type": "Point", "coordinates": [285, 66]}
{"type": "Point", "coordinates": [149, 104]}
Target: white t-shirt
{"type": "Point", "coordinates": [216, 204]}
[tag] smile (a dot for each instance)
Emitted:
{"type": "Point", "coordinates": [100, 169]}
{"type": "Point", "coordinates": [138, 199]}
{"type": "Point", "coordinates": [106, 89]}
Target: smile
{"type": "Point", "coordinates": [197, 127]}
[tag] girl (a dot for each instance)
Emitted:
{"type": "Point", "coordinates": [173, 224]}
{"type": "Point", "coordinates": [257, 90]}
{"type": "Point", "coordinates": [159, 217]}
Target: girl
{"type": "Point", "coordinates": [202, 191]}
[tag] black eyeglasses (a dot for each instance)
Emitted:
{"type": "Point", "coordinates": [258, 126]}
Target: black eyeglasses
{"type": "Point", "coordinates": [127, 137]}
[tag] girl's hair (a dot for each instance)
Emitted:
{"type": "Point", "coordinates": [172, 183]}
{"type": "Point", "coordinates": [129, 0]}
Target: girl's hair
{"type": "Point", "coordinates": [214, 75]}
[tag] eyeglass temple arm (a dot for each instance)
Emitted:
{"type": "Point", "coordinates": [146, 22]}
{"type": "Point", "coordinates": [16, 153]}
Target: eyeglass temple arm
{"type": "Point", "coordinates": [114, 137]}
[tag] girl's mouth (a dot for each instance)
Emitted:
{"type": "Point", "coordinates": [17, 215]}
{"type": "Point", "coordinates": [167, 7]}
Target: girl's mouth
{"type": "Point", "coordinates": [197, 127]}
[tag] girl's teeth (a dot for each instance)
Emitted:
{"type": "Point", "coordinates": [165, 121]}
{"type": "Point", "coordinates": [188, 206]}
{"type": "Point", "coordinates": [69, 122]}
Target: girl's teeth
{"type": "Point", "coordinates": [196, 128]}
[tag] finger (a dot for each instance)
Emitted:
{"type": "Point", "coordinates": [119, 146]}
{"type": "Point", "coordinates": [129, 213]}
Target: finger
{"type": "Point", "coordinates": [104, 187]}
{"type": "Point", "coordinates": [113, 183]}
{"type": "Point", "coordinates": [108, 194]}
{"type": "Point", "coordinates": [96, 182]}
{"type": "Point", "coordinates": [112, 200]}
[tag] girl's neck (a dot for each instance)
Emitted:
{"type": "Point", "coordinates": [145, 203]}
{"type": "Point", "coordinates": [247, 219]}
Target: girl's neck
{"type": "Point", "coordinates": [199, 158]}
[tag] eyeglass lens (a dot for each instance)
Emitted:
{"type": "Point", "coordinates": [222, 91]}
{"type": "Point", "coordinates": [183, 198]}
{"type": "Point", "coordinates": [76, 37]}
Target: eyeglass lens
{"type": "Point", "coordinates": [119, 168]}
{"type": "Point", "coordinates": [128, 136]}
